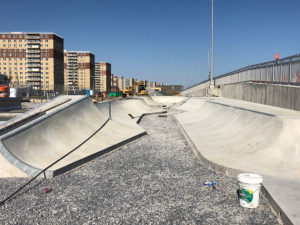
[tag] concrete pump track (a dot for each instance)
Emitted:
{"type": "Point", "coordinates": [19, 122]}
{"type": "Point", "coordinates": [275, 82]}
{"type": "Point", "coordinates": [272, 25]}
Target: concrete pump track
{"type": "Point", "coordinates": [229, 136]}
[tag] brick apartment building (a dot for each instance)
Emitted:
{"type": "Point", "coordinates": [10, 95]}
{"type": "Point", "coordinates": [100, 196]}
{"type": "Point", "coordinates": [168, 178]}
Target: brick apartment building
{"type": "Point", "coordinates": [79, 70]}
{"type": "Point", "coordinates": [102, 77]}
{"type": "Point", "coordinates": [33, 59]}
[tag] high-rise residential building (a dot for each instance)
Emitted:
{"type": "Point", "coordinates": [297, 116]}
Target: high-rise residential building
{"type": "Point", "coordinates": [121, 83]}
{"type": "Point", "coordinates": [102, 76]}
{"type": "Point", "coordinates": [79, 70]}
{"type": "Point", "coordinates": [114, 81]}
{"type": "Point", "coordinates": [129, 82]}
{"type": "Point", "coordinates": [33, 59]}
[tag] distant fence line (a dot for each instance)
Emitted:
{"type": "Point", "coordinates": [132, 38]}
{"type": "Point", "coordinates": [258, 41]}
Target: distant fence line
{"type": "Point", "coordinates": [282, 71]}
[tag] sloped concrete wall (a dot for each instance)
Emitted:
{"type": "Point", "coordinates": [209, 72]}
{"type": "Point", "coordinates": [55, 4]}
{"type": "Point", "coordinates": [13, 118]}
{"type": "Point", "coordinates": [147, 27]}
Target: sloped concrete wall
{"type": "Point", "coordinates": [274, 95]}
{"type": "Point", "coordinates": [196, 91]}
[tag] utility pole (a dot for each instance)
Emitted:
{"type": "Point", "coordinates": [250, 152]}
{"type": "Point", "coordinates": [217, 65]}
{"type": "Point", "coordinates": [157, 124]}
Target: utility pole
{"type": "Point", "coordinates": [208, 64]}
{"type": "Point", "coordinates": [212, 46]}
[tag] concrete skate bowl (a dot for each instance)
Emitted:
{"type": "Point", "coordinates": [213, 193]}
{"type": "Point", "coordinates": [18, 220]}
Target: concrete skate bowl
{"type": "Point", "coordinates": [243, 139]}
{"type": "Point", "coordinates": [168, 100]}
{"type": "Point", "coordinates": [234, 136]}
{"type": "Point", "coordinates": [91, 129]}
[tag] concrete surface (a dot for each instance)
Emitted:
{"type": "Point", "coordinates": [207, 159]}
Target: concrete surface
{"type": "Point", "coordinates": [249, 137]}
{"type": "Point", "coordinates": [275, 95]}
{"type": "Point", "coordinates": [284, 96]}
{"type": "Point", "coordinates": [168, 100]}
{"type": "Point", "coordinates": [38, 143]}
{"type": "Point", "coordinates": [155, 179]}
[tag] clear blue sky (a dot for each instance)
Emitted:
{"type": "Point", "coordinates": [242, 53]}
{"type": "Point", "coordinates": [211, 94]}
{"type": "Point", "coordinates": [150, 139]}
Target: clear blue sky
{"type": "Point", "coordinates": [164, 40]}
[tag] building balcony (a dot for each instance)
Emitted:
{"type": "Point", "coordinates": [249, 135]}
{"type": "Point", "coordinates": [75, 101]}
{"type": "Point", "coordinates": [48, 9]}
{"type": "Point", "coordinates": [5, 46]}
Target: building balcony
{"type": "Point", "coordinates": [33, 73]}
{"type": "Point", "coordinates": [33, 60]}
{"type": "Point", "coordinates": [33, 56]}
{"type": "Point", "coordinates": [33, 46]}
{"type": "Point", "coordinates": [37, 42]}
{"type": "Point", "coordinates": [32, 37]}
{"type": "Point", "coordinates": [33, 69]}
{"type": "Point", "coordinates": [30, 65]}
{"type": "Point", "coordinates": [33, 51]}
{"type": "Point", "coordinates": [34, 79]}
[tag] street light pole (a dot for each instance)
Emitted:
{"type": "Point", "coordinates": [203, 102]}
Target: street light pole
{"type": "Point", "coordinates": [212, 46]}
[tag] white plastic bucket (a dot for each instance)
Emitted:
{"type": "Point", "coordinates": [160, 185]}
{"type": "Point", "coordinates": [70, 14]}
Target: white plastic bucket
{"type": "Point", "coordinates": [249, 189]}
{"type": "Point", "coordinates": [13, 92]}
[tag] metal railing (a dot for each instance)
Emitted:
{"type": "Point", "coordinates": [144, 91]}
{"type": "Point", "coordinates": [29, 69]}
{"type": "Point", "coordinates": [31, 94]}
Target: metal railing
{"type": "Point", "coordinates": [285, 71]}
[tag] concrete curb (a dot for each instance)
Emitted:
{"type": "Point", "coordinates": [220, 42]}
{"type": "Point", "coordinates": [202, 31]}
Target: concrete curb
{"type": "Point", "coordinates": [146, 114]}
{"type": "Point", "coordinates": [233, 173]}
{"type": "Point", "coordinates": [93, 156]}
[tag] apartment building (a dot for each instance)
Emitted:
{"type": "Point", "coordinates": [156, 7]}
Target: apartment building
{"type": "Point", "coordinates": [79, 70]}
{"type": "Point", "coordinates": [128, 82]}
{"type": "Point", "coordinates": [114, 81]}
{"type": "Point", "coordinates": [33, 59]}
{"type": "Point", "coordinates": [121, 83]}
{"type": "Point", "coordinates": [102, 76]}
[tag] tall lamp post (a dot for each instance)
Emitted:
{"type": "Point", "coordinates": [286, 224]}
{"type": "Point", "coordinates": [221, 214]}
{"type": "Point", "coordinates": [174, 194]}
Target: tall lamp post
{"type": "Point", "coordinates": [212, 47]}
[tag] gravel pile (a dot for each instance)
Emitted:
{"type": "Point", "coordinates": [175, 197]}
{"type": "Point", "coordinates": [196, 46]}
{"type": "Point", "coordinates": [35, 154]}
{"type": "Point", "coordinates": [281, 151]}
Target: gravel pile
{"type": "Point", "coordinates": [155, 179]}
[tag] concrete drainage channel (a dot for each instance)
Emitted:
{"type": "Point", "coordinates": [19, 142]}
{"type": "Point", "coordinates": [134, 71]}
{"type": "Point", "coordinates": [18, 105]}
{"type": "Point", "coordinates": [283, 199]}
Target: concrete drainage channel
{"type": "Point", "coordinates": [154, 179]}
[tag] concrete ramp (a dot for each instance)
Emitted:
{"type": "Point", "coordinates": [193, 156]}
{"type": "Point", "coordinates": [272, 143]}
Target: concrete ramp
{"type": "Point", "coordinates": [168, 100]}
{"type": "Point", "coordinates": [249, 137]}
{"type": "Point", "coordinates": [57, 130]}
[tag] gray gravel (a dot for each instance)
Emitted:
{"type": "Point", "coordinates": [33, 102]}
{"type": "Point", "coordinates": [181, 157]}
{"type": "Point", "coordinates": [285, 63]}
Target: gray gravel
{"type": "Point", "coordinates": [153, 180]}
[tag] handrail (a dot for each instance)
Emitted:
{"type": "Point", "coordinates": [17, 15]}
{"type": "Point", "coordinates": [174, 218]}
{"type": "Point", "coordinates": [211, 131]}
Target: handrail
{"type": "Point", "coordinates": [269, 64]}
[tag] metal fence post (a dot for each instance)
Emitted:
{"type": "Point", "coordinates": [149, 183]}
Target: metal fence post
{"type": "Point", "coordinates": [273, 73]}
{"type": "Point", "coordinates": [290, 71]}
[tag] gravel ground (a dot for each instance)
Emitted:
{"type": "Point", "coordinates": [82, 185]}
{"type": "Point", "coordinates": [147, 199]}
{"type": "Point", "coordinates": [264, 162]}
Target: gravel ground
{"type": "Point", "coordinates": [153, 180]}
